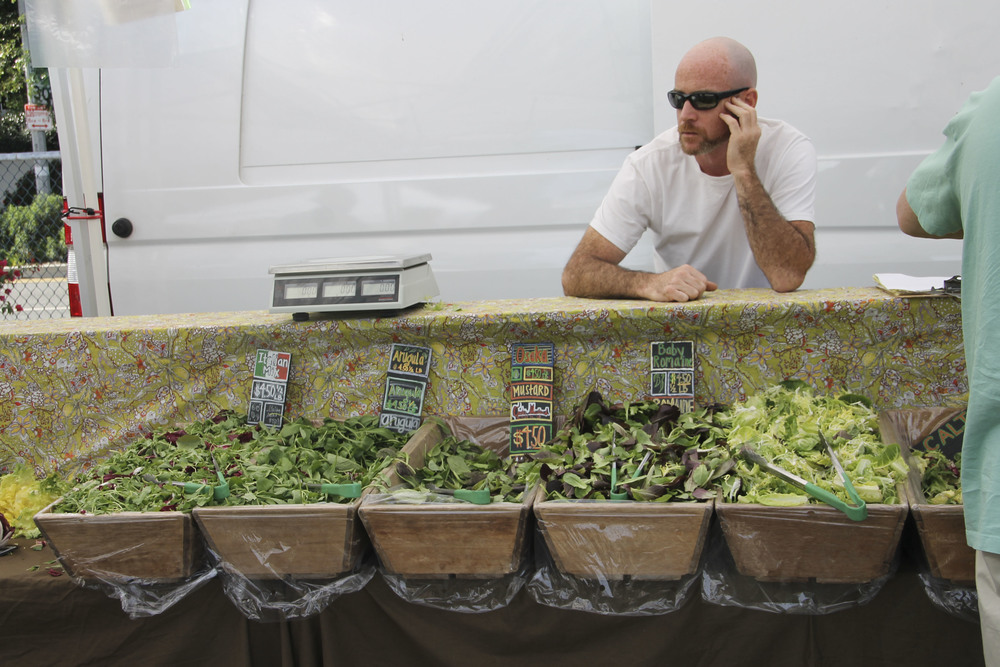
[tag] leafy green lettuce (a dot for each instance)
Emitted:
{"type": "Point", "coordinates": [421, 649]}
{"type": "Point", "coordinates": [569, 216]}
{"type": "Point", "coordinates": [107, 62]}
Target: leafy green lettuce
{"type": "Point", "coordinates": [784, 422]}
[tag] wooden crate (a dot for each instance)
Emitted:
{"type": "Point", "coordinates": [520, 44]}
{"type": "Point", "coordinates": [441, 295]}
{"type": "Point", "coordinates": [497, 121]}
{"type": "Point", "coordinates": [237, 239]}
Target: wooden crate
{"type": "Point", "coordinates": [941, 527]}
{"type": "Point", "coordinates": [438, 540]}
{"type": "Point", "coordinates": [126, 546]}
{"type": "Point", "coordinates": [814, 542]}
{"type": "Point", "coordinates": [311, 541]}
{"type": "Point", "coordinates": [811, 542]}
{"type": "Point", "coordinates": [619, 539]}
{"type": "Point", "coordinates": [942, 535]}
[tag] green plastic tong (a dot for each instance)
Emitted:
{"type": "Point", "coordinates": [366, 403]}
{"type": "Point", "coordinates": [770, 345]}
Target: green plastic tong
{"type": "Point", "coordinates": [347, 490]}
{"type": "Point", "coordinates": [474, 496]}
{"type": "Point", "coordinates": [856, 512]}
{"type": "Point", "coordinates": [218, 492]}
{"type": "Point", "coordinates": [623, 495]}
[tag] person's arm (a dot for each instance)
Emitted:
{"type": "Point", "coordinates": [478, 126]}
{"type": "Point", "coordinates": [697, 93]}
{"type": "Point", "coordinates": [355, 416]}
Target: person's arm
{"type": "Point", "coordinates": [909, 224]}
{"type": "Point", "coordinates": [784, 249]}
{"type": "Point", "coordinates": [593, 271]}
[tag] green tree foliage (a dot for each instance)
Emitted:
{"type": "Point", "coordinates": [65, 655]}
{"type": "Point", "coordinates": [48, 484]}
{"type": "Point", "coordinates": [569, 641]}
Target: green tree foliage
{"type": "Point", "coordinates": [34, 233]}
{"type": "Point", "coordinates": [13, 89]}
{"type": "Point", "coordinates": [31, 228]}
{"type": "Point", "coordinates": [14, 136]}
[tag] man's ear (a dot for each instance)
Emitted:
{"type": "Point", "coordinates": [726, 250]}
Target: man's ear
{"type": "Point", "coordinates": [750, 97]}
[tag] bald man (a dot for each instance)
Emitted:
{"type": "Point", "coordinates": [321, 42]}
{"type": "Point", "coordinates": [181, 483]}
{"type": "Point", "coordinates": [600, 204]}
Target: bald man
{"type": "Point", "coordinates": [728, 197]}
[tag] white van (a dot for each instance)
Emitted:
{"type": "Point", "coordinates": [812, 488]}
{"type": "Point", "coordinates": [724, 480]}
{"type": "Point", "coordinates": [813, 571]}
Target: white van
{"type": "Point", "coordinates": [235, 135]}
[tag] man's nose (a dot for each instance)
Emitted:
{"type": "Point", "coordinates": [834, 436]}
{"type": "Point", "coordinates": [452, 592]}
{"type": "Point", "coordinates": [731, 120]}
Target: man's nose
{"type": "Point", "coordinates": [687, 112]}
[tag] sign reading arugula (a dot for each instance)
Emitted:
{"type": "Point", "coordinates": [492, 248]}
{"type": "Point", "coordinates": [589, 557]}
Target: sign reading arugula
{"type": "Point", "coordinates": [267, 393]}
{"type": "Point", "coordinates": [671, 377]}
{"type": "Point", "coordinates": [405, 386]}
{"type": "Point", "coordinates": [531, 396]}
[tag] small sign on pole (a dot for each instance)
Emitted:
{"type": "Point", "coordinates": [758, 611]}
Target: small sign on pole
{"type": "Point", "coordinates": [37, 118]}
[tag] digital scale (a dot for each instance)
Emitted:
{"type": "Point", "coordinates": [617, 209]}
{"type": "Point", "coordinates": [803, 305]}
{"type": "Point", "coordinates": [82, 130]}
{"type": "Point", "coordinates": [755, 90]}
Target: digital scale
{"type": "Point", "coordinates": [348, 284]}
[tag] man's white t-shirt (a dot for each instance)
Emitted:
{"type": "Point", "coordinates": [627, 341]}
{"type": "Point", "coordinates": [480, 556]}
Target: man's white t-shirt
{"type": "Point", "coordinates": [695, 218]}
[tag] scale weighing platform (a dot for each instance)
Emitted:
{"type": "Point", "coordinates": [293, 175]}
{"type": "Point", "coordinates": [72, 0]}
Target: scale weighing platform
{"type": "Point", "coordinates": [349, 284]}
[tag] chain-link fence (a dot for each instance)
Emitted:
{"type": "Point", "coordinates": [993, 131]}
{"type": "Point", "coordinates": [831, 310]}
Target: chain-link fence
{"type": "Point", "coordinates": [31, 237]}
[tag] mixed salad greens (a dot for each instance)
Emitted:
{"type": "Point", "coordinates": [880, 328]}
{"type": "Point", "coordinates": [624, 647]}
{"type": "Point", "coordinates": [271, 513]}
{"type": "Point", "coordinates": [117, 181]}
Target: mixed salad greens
{"type": "Point", "coordinates": [651, 452]}
{"type": "Point", "coordinates": [642, 451]}
{"type": "Point", "coordinates": [939, 476]}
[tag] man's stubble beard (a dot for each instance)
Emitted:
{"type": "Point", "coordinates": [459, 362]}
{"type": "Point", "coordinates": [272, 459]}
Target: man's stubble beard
{"type": "Point", "coordinates": [706, 145]}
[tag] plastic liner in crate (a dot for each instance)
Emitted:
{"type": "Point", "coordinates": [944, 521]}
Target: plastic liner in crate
{"type": "Point", "coordinates": [147, 560]}
{"type": "Point", "coordinates": [618, 556]}
{"type": "Point", "coordinates": [282, 562]}
{"type": "Point", "coordinates": [809, 559]}
{"type": "Point", "coordinates": [445, 552]}
{"type": "Point", "coordinates": [947, 564]}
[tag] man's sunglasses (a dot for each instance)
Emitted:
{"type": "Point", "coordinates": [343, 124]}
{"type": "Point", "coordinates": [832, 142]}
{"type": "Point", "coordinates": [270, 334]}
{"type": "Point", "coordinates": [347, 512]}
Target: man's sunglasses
{"type": "Point", "coordinates": [702, 101]}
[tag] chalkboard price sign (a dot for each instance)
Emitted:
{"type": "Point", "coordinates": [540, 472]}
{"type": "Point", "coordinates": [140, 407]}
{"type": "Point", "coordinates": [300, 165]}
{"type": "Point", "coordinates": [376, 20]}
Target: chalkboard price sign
{"type": "Point", "coordinates": [671, 376]}
{"type": "Point", "coordinates": [269, 387]}
{"type": "Point", "coordinates": [532, 374]}
{"type": "Point", "coordinates": [405, 386]}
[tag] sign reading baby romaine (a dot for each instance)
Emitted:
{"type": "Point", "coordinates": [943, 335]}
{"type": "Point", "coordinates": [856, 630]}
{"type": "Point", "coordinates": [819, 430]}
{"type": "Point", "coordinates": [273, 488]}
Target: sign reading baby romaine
{"type": "Point", "coordinates": [531, 396]}
{"type": "Point", "coordinates": [405, 385]}
{"type": "Point", "coordinates": [671, 378]}
{"type": "Point", "coordinates": [267, 393]}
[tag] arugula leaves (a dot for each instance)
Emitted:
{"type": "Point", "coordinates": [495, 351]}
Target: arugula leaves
{"type": "Point", "coordinates": [260, 464]}
{"type": "Point", "coordinates": [454, 464]}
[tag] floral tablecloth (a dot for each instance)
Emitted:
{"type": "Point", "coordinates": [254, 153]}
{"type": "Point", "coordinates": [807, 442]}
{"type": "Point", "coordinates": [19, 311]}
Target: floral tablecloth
{"type": "Point", "coordinates": [71, 389]}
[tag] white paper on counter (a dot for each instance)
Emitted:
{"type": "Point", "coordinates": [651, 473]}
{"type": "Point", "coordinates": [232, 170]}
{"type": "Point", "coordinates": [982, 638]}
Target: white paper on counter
{"type": "Point", "coordinates": [899, 283]}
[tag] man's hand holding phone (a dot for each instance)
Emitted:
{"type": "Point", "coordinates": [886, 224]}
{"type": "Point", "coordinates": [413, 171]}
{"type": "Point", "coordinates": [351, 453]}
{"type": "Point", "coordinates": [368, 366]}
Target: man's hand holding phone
{"type": "Point", "coordinates": [744, 134]}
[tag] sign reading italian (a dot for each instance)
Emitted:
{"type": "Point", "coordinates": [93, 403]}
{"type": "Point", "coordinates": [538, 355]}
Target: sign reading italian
{"type": "Point", "coordinates": [267, 393]}
{"type": "Point", "coordinates": [671, 376]}
{"type": "Point", "coordinates": [531, 396]}
{"type": "Point", "coordinates": [405, 386]}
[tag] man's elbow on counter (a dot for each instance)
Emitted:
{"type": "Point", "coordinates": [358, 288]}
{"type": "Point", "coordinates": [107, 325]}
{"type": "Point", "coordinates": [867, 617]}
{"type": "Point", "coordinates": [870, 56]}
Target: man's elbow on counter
{"type": "Point", "coordinates": [569, 285]}
{"type": "Point", "coordinates": [788, 282]}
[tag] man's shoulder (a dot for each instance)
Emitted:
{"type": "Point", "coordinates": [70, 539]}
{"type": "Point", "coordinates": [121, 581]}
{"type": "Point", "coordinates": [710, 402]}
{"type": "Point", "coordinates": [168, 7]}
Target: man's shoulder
{"type": "Point", "coordinates": [663, 148]}
{"type": "Point", "coordinates": [773, 129]}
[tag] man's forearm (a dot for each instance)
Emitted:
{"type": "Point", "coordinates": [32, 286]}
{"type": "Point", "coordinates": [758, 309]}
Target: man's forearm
{"type": "Point", "coordinates": [597, 279]}
{"type": "Point", "coordinates": [783, 252]}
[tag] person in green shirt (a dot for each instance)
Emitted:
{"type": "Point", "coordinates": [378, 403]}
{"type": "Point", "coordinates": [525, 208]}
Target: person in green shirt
{"type": "Point", "coordinates": [955, 193]}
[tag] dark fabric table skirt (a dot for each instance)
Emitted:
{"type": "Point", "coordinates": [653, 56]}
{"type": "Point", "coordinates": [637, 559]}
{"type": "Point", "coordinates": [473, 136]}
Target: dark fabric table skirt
{"type": "Point", "coordinates": [50, 621]}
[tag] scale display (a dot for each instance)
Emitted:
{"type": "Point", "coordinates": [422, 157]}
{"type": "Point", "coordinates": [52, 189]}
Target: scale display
{"type": "Point", "coordinates": [346, 284]}
{"type": "Point", "coordinates": [306, 291]}
{"type": "Point", "coordinates": [320, 292]}
{"type": "Point", "coordinates": [339, 289]}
